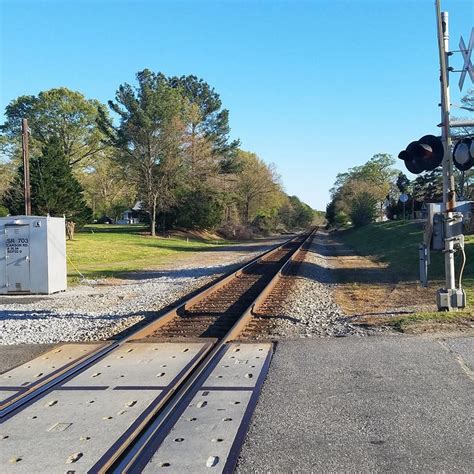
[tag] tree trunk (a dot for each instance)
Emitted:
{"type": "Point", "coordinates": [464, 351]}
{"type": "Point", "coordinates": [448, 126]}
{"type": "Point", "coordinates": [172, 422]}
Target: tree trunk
{"type": "Point", "coordinates": [153, 218]}
{"type": "Point", "coordinates": [70, 226]}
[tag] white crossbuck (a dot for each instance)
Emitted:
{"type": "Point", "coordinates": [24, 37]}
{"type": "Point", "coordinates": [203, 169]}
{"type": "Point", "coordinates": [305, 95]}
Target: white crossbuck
{"type": "Point", "coordinates": [466, 53]}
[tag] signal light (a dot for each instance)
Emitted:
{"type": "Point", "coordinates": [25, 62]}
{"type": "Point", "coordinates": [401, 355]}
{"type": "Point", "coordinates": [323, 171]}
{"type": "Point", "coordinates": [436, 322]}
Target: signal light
{"type": "Point", "coordinates": [463, 154]}
{"type": "Point", "coordinates": [426, 154]}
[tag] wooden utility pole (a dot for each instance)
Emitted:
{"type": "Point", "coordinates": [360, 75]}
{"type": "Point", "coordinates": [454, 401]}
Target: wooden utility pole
{"type": "Point", "coordinates": [26, 167]}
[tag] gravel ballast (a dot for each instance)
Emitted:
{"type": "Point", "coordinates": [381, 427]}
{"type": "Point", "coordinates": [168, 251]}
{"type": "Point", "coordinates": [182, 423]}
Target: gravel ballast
{"type": "Point", "coordinates": [99, 310]}
{"type": "Point", "coordinates": [309, 310]}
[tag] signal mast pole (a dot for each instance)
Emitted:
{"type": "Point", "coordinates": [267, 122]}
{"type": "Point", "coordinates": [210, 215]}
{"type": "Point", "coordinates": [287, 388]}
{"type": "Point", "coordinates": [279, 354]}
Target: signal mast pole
{"type": "Point", "coordinates": [449, 191]}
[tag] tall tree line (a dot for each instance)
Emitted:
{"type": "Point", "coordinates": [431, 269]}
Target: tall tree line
{"type": "Point", "coordinates": [163, 141]}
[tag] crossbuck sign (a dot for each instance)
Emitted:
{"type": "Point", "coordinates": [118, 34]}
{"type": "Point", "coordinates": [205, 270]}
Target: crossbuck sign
{"type": "Point", "coordinates": [466, 54]}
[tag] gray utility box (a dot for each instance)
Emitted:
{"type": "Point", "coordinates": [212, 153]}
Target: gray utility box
{"type": "Point", "coordinates": [32, 255]}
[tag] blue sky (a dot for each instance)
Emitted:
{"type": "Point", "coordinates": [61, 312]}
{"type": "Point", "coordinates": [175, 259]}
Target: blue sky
{"type": "Point", "coordinates": [315, 87]}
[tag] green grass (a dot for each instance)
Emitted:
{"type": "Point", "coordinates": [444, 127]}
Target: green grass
{"type": "Point", "coordinates": [406, 322]}
{"type": "Point", "coordinates": [395, 243]}
{"type": "Point", "coordinates": [99, 251]}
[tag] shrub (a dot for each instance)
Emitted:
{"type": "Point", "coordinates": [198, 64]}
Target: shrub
{"type": "Point", "coordinates": [363, 209]}
{"type": "Point", "coordinates": [200, 209]}
{"type": "Point", "coordinates": [341, 218]}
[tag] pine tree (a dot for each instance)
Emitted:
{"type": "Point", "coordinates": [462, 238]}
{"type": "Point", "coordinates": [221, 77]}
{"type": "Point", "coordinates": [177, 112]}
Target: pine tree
{"type": "Point", "coordinates": [54, 189]}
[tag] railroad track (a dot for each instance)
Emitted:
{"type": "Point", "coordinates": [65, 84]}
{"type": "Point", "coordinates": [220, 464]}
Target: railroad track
{"type": "Point", "coordinates": [199, 337]}
{"type": "Point", "coordinates": [263, 313]}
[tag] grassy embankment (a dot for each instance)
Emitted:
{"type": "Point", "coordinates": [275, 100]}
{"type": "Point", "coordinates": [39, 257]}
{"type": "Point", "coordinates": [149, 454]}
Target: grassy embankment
{"type": "Point", "coordinates": [396, 245]}
{"type": "Point", "coordinates": [100, 251]}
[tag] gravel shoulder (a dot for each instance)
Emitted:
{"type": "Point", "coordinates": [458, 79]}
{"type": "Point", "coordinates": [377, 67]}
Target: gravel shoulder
{"type": "Point", "coordinates": [365, 287]}
{"type": "Point", "coordinates": [100, 309]}
{"type": "Point", "coordinates": [308, 307]}
{"type": "Point", "coordinates": [337, 292]}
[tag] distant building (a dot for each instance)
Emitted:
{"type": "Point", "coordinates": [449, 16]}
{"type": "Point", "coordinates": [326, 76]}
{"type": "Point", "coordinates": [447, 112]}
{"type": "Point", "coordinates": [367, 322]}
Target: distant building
{"type": "Point", "coordinates": [134, 215]}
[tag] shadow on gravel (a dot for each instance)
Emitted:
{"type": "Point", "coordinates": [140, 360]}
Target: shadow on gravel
{"type": "Point", "coordinates": [315, 272]}
{"type": "Point", "coordinates": [141, 275]}
{"type": "Point", "coordinates": [273, 317]}
{"type": "Point", "coordinates": [331, 249]}
{"type": "Point", "coordinates": [14, 299]}
{"type": "Point", "coordinates": [253, 247]}
{"type": "Point", "coordinates": [47, 314]}
{"type": "Point", "coordinates": [181, 273]}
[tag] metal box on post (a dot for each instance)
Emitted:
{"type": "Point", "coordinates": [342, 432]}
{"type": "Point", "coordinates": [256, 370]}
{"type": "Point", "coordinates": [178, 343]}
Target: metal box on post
{"type": "Point", "coordinates": [32, 255]}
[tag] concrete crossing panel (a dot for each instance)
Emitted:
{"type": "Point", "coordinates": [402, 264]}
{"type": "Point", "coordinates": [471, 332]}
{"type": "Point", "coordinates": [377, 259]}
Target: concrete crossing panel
{"type": "Point", "coordinates": [74, 426]}
{"type": "Point", "coordinates": [209, 432]}
{"type": "Point", "coordinates": [36, 371]}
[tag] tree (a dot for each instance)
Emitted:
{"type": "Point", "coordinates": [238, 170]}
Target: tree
{"type": "Point", "coordinates": [150, 135]}
{"type": "Point", "coordinates": [428, 187]}
{"type": "Point", "coordinates": [331, 212]}
{"type": "Point", "coordinates": [60, 114]}
{"type": "Point", "coordinates": [303, 214]}
{"type": "Point", "coordinates": [295, 213]}
{"type": "Point", "coordinates": [107, 189]}
{"type": "Point", "coordinates": [54, 189]}
{"type": "Point", "coordinates": [7, 172]}
{"type": "Point", "coordinates": [208, 153]}
{"type": "Point", "coordinates": [403, 182]}
{"type": "Point", "coordinates": [363, 208]}
{"type": "Point", "coordinates": [208, 120]}
{"type": "Point", "coordinates": [377, 177]}
{"type": "Point", "coordinates": [257, 185]}
{"type": "Point", "coordinates": [200, 209]}
{"type": "Point", "coordinates": [358, 201]}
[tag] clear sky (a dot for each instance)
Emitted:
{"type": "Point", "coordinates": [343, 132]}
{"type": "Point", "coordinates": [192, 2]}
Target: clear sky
{"type": "Point", "coordinates": [313, 86]}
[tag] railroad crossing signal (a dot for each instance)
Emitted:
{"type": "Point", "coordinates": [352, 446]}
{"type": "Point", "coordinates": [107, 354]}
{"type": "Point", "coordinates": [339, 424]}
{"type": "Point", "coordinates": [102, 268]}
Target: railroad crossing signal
{"type": "Point", "coordinates": [466, 54]}
{"type": "Point", "coordinates": [426, 154]}
{"type": "Point", "coordinates": [463, 154]}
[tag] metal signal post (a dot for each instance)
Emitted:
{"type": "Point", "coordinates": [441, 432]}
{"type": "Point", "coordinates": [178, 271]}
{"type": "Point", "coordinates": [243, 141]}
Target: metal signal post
{"type": "Point", "coordinates": [450, 297]}
{"type": "Point", "coordinates": [444, 226]}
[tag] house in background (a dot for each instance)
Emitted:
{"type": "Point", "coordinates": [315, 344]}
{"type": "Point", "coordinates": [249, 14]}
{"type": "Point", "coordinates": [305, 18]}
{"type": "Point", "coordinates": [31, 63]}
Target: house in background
{"type": "Point", "coordinates": [135, 215]}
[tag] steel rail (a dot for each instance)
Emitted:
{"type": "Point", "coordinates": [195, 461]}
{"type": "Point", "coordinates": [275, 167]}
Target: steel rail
{"type": "Point", "coordinates": [259, 300]}
{"type": "Point", "coordinates": [160, 414]}
{"type": "Point", "coordinates": [48, 383]}
{"type": "Point", "coordinates": [167, 317]}
{"type": "Point", "coordinates": [134, 456]}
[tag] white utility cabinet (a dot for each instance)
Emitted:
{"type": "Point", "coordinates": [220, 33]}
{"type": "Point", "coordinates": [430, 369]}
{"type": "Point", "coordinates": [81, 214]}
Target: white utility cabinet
{"type": "Point", "coordinates": [32, 255]}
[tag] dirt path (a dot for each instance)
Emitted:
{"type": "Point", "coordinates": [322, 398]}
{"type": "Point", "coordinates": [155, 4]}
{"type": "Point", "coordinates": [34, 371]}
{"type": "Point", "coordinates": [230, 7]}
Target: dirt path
{"type": "Point", "coordinates": [370, 294]}
{"type": "Point", "coordinates": [364, 287]}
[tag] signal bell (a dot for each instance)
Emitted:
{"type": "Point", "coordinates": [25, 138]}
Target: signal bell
{"type": "Point", "coordinates": [426, 154]}
{"type": "Point", "coordinates": [463, 154]}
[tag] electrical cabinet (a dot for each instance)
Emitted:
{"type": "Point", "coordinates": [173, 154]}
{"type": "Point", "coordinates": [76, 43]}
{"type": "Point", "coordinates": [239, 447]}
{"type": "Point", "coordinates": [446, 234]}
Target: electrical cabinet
{"type": "Point", "coordinates": [32, 255]}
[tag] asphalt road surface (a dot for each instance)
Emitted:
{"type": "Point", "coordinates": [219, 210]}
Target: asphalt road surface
{"type": "Point", "coordinates": [14, 355]}
{"type": "Point", "coordinates": [392, 404]}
